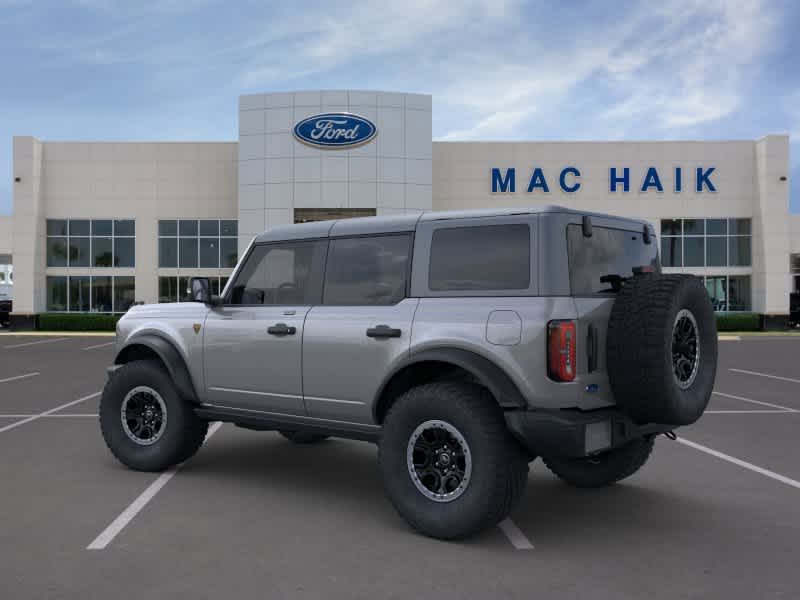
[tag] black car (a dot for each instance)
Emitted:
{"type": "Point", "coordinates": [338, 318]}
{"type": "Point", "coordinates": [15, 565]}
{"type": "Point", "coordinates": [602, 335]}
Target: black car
{"type": "Point", "coordinates": [794, 309]}
{"type": "Point", "coordinates": [5, 312]}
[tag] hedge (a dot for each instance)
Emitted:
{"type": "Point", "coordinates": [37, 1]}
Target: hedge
{"type": "Point", "coordinates": [738, 322]}
{"type": "Point", "coordinates": [77, 322]}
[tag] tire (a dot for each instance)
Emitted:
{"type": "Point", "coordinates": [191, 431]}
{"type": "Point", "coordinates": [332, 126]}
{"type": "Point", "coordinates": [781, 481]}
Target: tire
{"type": "Point", "coordinates": [176, 440]}
{"type": "Point", "coordinates": [303, 437]}
{"type": "Point", "coordinates": [649, 383]}
{"type": "Point", "coordinates": [491, 487]}
{"type": "Point", "coordinates": [604, 469]}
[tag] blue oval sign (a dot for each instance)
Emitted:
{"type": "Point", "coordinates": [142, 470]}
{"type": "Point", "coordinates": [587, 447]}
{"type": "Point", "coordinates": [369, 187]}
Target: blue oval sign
{"type": "Point", "coordinates": [335, 130]}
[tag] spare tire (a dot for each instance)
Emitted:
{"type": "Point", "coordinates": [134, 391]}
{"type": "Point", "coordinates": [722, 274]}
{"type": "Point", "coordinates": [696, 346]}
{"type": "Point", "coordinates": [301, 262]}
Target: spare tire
{"type": "Point", "coordinates": [661, 349]}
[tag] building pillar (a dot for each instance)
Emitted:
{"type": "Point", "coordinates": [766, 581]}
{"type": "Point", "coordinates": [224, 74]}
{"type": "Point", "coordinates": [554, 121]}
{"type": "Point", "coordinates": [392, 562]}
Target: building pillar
{"type": "Point", "coordinates": [771, 281]}
{"type": "Point", "coordinates": [29, 244]}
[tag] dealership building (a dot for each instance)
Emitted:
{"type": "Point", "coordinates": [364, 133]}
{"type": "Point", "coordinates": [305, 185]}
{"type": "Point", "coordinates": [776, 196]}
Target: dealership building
{"type": "Point", "coordinates": [97, 226]}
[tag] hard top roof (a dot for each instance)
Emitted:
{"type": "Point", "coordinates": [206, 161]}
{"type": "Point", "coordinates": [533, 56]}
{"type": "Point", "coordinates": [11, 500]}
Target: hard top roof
{"type": "Point", "coordinates": [401, 223]}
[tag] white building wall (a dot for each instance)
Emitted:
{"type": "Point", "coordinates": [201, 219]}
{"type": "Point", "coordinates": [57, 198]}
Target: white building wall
{"type": "Point", "coordinates": [794, 234]}
{"type": "Point", "coordinates": [6, 226]}
{"type": "Point", "coordinates": [277, 173]}
{"type": "Point", "coordinates": [747, 180]}
{"type": "Point", "coordinates": [771, 280]}
{"type": "Point", "coordinates": [28, 243]}
{"type": "Point", "coordinates": [112, 180]}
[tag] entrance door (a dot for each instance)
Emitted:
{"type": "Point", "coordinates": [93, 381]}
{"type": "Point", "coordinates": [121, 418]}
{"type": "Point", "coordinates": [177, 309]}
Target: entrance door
{"type": "Point", "coordinates": [253, 343]}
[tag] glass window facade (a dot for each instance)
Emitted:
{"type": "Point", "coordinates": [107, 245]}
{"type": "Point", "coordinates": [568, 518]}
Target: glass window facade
{"type": "Point", "coordinates": [91, 243]}
{"type": "Point", "coordinates": [197, 243]}
{"type": "Point", "coordinates": [706, 243]}
{"type": "Point", "coordinates": [729, 293]}
{"type": "Point", "coordinates": [90, 293]}
{"type": "Point", "coordinates": [176, 289]}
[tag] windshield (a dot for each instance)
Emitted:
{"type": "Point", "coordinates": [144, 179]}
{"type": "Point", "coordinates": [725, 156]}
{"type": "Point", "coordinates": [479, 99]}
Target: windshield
{"type": "Point", "coordinates": [601, 263]}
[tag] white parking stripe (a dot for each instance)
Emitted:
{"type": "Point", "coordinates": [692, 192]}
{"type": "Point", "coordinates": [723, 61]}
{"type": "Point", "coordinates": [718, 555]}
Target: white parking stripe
{"type": "Point", "coordinates": [765, 375]}
{"type": "Point", "coordinates": [750, 412]}
{"type": "Point", "coordinates": [35, 343]}
{"type": "Point", "coordinates": [759, 402]}
{"type": "Point", "coordinates": [7, 379]}
{"type": "Point", "coordinates": [57, 415]}
{"type": "Point", "coordinates": [125, 517]}
{"type": "Point", "coordinates": [741, 463]}
{"type": "Point", "coordinates": [515, 535]}
{"type": "Point", "coordinates": [48, 413]}
{"type": "Point", "coordinates": [99, 346]}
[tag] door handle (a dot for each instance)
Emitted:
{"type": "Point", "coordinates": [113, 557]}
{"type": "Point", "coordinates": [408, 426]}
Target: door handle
{"type": "Point", "coordinates": [281, 329]}
{"type": "Point", "coordinates": [383, 331]}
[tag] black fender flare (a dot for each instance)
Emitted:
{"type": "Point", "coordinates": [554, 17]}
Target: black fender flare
{"type": "Point", "coordinates": [487, 373]}
{"type": "Point", "coordinates": [170, 356]}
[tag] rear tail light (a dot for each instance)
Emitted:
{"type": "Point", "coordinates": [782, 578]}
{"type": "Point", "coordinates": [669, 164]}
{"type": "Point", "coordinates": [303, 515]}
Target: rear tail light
{"type": "Point", "coordinates": [561, 350]}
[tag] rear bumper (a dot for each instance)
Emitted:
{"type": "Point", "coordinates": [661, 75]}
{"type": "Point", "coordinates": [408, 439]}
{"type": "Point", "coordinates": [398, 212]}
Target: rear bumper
{"type": "Point", "coordinates": [572, 433]}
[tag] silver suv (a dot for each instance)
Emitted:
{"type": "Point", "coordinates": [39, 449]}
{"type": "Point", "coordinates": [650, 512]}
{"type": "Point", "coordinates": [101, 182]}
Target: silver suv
{"type": "Point", "coordinates": [465, 344]}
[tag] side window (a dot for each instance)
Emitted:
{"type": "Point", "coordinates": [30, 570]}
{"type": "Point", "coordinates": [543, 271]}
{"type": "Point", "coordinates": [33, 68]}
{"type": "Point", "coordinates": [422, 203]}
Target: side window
{"type": "Point", "coordinates": [367, 270]}
{"type": "Point", "coordinates": [481, 258]}
{"type": "Point", "coordinates": [280, 274]}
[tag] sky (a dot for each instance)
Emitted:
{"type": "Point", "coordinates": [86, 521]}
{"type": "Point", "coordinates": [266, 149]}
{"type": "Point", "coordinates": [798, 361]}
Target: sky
{"type": "Point", "coordinates": [497, 69]}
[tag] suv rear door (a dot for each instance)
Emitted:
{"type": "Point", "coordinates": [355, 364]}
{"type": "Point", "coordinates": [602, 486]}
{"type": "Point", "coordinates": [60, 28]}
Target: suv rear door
{"type": "Point", "coordinates": [362, 327]}
{"type": "Point", "coordinates": [614, 249]}
{"type": "Point", "coordinates": [253, 343]}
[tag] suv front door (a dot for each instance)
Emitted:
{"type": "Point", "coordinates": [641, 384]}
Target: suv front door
{"type": "Point", "coordinates": [362, 327]}
{"type": "Point", "coordinates": [253, 343]}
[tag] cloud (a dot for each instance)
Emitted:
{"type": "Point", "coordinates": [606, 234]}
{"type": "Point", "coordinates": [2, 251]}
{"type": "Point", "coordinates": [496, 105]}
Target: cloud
{"type": "Point", "coordinates": [668, 67]}
{"type": "Point", "coordinates": [689, 71]}
{"type": "Point", "coordinates": [331, 36]}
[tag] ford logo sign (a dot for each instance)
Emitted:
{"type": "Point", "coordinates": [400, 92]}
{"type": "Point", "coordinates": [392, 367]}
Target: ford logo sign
{"type": "Point", "coordinates": [335, 130]}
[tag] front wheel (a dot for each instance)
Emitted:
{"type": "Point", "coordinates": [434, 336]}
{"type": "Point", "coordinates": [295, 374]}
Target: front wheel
{"type": "Point", "coordinates": [449, 465]}
{"type": "Point", "coordinates": [603, 469]}
{"type": "Point", "coordinates": [145, 423]}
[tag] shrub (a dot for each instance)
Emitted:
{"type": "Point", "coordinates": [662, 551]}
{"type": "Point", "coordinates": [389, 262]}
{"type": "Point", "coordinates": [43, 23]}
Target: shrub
{"type": "Point", "coordinates": [77, 322]}
{"type": "Point", "coordinates": [738, 322]}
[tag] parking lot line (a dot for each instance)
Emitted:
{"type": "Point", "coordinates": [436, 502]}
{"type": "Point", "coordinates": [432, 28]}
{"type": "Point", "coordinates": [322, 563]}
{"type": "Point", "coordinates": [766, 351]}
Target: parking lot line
{"type": "Point", "coordinates": [760, 402]}
{"type": "Point", "coordinates": [7, 379]}
{"type": "Point", "coordinates": [35, 343]}
{"type": "Point", "coordinates": [48, 413]}
{"type": "Point", "coordinates": [99, 346]}
{"type": "Point", "coordinates": [515, 535]}
{"type": "Point", "coordinates": [741, 463]}
{"type": "Point", "coordinates": [125, 517]}
{"type": "Point", "coordinates": [54, 416]}
{"type": "Point", "coordinates": [750, 412]}
{"type": "Point", "coordinates": [765, 375]}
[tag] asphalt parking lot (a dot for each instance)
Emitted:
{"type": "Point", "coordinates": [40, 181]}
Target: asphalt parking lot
{"type": "Point", "coordinates": [713, 515]}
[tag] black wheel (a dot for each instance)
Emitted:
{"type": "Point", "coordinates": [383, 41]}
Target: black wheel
{"type": "Point", "coordinates": [449, 465]}
{"type": "Point", "coordinates": [661, 350]}
{"type": "Point", "coordinates": [145, 423]}
{"type": "Point", "coordinates": [303, 437]}
{"type": "Point", "coordinates": [603, 469]}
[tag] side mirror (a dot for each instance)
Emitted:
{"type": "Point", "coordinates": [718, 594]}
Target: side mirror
{"type": "Point", "coordinates": [200, 289]}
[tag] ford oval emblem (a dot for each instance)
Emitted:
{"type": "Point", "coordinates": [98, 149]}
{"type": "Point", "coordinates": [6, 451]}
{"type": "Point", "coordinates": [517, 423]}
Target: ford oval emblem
{"type": "Point", "coordinates": [335, 130]}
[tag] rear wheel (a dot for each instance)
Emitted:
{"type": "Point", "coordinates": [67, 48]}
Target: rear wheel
{"type": "Point", "coordinates": [303, 437]}
{"type": "Point", "coordinates": [449, 465]}
{"type": "Point", "coordinates": [603, 469]}
{"type": "Point", "coordinates": [145, 423]}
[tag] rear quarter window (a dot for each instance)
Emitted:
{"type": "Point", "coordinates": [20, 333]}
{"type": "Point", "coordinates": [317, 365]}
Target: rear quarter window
{"type": "Point", "coordinates": [607, 252]}
{"type": "Point", "coordinates": [480, 258]}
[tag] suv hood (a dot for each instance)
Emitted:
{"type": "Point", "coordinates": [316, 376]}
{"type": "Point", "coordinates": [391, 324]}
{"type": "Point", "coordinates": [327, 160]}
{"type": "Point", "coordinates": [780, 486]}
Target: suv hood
{"type": "Point", "coordinates": [173, 310]}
